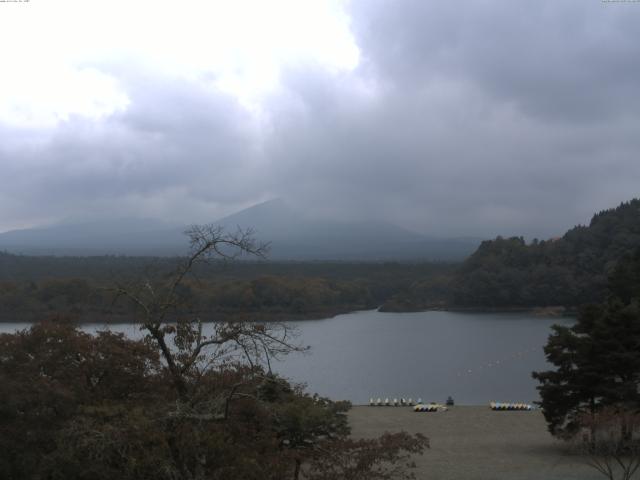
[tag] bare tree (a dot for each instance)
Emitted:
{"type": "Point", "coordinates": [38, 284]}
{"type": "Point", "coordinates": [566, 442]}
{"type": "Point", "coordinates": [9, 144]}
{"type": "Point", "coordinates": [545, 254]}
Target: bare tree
{"type": "Point", "coordinates": [187, 349]}
{"type": "Point", "coordinates": [611, 442]}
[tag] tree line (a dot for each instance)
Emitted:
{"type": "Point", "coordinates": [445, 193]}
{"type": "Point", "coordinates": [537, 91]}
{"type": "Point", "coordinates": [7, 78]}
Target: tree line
{"type": "Point", "coordinates": [33, 287]}
{"type": "Point", "coordinates": [268, 298]}
{"type": "Point", "coordinates": [509, 272]}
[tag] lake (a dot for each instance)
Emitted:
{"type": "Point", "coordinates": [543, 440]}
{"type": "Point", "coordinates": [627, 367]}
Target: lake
{"type": "Point", "coordinates": [474, 357]}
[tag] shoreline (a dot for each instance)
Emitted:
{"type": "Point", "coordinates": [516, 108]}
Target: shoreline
{"type": "Point", "coordinates": [272, 317]}
{"type": "Point", "coordinates": [548, 311]}
{"type": "Point", "coordinates": [114, 319]}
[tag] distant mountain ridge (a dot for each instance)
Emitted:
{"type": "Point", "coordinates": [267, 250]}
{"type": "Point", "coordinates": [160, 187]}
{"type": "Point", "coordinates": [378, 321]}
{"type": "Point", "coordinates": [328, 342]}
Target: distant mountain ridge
{"type": "Point", "coordinates": [296, 237]}
{"type": "Point", "coordinates": [292, 236]}
{"type": "Point", "coordinates": [111, 237]}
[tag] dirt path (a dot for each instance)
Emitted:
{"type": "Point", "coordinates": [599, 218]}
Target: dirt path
{"type": "Point", "coordinates": [475, 443]}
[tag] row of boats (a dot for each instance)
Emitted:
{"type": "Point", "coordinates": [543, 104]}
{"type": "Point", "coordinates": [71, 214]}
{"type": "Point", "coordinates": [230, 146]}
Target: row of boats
{"type": "Point", "coordinates": [498, 406]}
{"type": "Point", "coordinates": [431, 407]}
{"type": "Point", "coordinates": [418, 406]}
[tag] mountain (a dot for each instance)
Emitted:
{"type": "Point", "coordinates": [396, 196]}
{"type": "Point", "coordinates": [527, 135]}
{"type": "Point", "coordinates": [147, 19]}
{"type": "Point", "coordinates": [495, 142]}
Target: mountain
{"type": "Point", "coordinates": [292, 235]}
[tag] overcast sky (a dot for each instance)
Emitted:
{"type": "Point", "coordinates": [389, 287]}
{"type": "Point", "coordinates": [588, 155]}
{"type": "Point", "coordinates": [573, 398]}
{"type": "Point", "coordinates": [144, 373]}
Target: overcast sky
{"type": "Point", "coordinates": [452, 118]}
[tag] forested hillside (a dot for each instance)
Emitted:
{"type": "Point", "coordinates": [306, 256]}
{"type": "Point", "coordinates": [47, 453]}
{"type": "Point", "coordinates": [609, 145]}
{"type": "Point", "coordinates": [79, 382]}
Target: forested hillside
{"type": "Point", "coordinates": [508, 272]}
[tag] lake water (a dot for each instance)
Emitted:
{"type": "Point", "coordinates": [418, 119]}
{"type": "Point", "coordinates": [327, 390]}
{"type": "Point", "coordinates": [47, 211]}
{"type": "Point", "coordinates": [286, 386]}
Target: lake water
{"type": "Point", "coordinates": [474, 357]}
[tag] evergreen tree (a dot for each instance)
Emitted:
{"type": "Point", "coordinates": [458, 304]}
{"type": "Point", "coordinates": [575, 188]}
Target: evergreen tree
{"type": "Point", "coordinates": [598, 359]}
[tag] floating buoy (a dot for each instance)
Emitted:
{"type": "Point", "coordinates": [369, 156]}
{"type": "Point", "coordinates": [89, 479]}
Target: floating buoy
{"type": "Point", "coordinates": [500, 406]}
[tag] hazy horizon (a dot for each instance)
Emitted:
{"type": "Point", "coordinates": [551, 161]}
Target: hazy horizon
{"type": "Point", "coordinates": [159, 223]}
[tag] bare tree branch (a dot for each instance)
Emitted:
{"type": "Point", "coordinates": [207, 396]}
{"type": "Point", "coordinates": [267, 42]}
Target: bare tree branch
{"type": "Point", "coordinates": [193, 351]}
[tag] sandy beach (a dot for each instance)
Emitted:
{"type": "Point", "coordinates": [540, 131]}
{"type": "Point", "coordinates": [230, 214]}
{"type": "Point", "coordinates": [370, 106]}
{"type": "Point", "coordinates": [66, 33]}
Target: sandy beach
{"type": "Point", "coordinates": [476, 443]}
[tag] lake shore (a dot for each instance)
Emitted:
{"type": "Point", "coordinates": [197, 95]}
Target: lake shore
{"type": "Point", "coordinates": [90, 318]}
{"type": "Point", "coordinates": [548, 311]}
{"type": "Point", "coordinates": [476, 443]}
{"type": "Point", "coordinates": [274, 316]}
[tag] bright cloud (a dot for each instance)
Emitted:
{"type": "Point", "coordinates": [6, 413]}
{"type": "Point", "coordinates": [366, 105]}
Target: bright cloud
{"type": "Point", "coordinates": [53, 52]}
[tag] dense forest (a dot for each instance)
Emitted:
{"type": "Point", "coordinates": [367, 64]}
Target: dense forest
{"type": "Point", "coordinates": [510, 273]}
{"type": "Point", "coordinates": [82, 287]}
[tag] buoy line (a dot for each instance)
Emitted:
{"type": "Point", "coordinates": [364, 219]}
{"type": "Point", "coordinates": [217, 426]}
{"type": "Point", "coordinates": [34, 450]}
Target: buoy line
{"type": "Point", "coordinates": [496, 363]}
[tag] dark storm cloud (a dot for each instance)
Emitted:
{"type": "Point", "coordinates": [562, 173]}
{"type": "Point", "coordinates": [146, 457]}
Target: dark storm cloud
{"type": "Point", "coordinates": [472, 117]}
{"type": "Point", "coordinates": [463, 118]}
{"type": "Point", "coordinates": [568, 59]}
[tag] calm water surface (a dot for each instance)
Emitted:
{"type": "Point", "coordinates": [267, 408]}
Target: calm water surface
{"type": "Point", "coordinates": [474, 357]}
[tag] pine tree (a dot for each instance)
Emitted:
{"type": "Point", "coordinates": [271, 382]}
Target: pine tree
{"type": "Point", "coordinates": [598, 359]}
